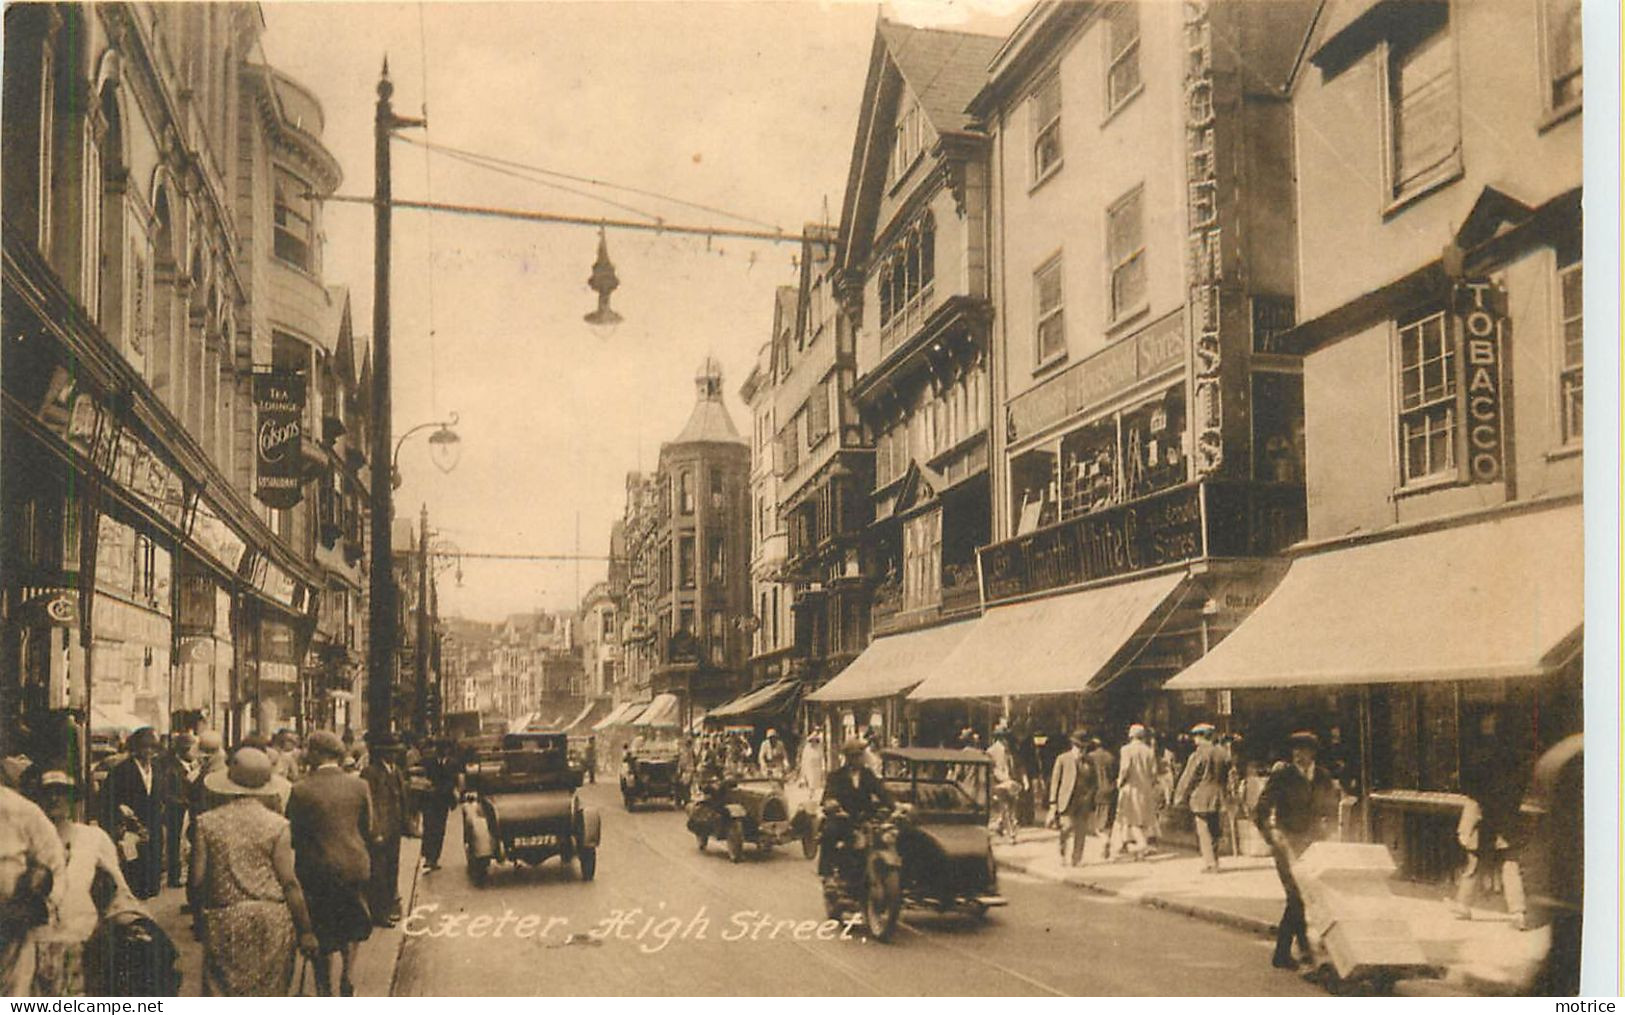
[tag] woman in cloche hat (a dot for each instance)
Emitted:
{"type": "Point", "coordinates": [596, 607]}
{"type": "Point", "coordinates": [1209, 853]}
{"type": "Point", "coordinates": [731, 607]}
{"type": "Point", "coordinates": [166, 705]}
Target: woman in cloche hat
{"type": "Point", "coordinates": [254, 911]}
{"type": "Point", "coordinates": [59, 956]}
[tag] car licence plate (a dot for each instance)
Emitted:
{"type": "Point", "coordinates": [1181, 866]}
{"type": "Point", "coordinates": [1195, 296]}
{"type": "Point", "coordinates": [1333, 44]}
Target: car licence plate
{"type": "Point", "coordinates": [526, 841]}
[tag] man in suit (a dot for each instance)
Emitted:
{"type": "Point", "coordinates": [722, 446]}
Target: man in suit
{"type": "Point", "coordinates": [1072, 787]}
{"type": "Point", "coordinates": [1298, 805]}
{"type": "Point", "coordinates": [387, 781]}
{"type": "Point", "coordinates": [852, 793]}
{"type": "Point", "coordinates": [330, 818]}
{"type": "Point", "coordinates": [442, 770]}
{"type": "Point", "coordinates": [1105, 791]}
{"type": "Point", "coordinates": [176, 769]}
{"type": "Point", "coordinates": [134, 798]}
{"type": "Point", "coordinates": [1201, 790]}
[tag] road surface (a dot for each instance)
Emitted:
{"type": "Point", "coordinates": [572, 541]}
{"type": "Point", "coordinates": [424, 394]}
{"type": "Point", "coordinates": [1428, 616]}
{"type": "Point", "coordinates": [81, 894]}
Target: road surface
{"type": "Point", "coordinates": [664, 918]}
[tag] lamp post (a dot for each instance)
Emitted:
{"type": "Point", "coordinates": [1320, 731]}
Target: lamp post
{"type": "Point", "coordinates": [445, 448]}
{"type": "Point", "coordinates": [383, 623]}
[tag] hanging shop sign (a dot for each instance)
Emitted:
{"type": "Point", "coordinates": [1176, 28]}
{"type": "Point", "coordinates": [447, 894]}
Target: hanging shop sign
{"type": "Point", "coordinates": [1481, 305]}
{"type": "Point", "coordinates": [279, 402]}
{"type": "Point", "coordinates": [197, 603]}
{"type": "Point", "coordinates": [58, 607]}
{"type": "Point", "coordinates": [1107, 374]}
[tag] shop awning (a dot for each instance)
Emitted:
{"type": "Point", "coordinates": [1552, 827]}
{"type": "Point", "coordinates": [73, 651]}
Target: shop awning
{"type": "Point", "coordinates": [893, 664]}
{"type": "Point", "coordinates": [619, 716]}
{"type": "Point", "coordinates": [113, 719]}
{"type": "Point", "coordinates": [1049, 646]}
{"type": "Point", "coordinates": [1500, 598]}
{"type": "Point", "coordinates": [583, 720]}
{"type": "Point", "coordinates": [662, 712]}
{"type": "Point", "coordinates": [769, 701]}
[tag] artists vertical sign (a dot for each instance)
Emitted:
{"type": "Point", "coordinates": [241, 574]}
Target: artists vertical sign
{"type": "Point", "coordinates": [279, 406]}
{"type": "Point", "coordinates": [1481, 306]}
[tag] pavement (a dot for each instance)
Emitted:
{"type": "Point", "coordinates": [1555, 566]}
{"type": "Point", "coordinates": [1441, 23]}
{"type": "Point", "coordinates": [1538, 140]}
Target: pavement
{"type": "Point", "coordinates": [663, 917]}
{"type": "Point", "coordinates": [1486, 954]}
{"type": "Point", "coordinates": [376, 962]}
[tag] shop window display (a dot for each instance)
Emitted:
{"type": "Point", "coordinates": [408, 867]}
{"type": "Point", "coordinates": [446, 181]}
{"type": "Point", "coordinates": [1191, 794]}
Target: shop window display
{"type": "Point", "coordinates": [1090, 472]}
{"type": "Point", "coordinates": [1154, 444]}
{"type": "Point", "coordinates": [1033, 490]}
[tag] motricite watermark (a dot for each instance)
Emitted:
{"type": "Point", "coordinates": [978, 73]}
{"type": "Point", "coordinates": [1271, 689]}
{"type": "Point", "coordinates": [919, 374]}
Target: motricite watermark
{"type": "Point", "coordinates": [651, 931]}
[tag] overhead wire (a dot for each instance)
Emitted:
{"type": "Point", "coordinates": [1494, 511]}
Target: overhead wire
{"type": "Point", "coordinates": [497, 166]}
{"type": "Point", "coordinates": [592, 181]}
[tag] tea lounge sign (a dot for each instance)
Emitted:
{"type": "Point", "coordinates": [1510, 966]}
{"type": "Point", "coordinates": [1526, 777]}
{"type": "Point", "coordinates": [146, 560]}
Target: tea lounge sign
{"type": "Point", "coordinates": [279, 402]}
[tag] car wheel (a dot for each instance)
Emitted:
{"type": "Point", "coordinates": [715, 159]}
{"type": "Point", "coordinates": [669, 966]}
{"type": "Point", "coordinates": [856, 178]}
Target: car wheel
{"type": "Point", "coordinates": [702, 839]}
{"type": "Point", "coordinates": [736, 841]}
{"type": "Point", "coordinates": [477, 869]}
{"type": "Point", "coordinates": [588, 859]}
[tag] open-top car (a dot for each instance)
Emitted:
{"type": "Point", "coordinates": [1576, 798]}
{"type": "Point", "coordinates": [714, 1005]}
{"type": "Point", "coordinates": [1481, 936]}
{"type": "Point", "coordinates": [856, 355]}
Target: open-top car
{"type": "Point", "coordinates": [520, 805]}
{"type": "Point", "coordinates": [748, 808]}
{"type": "Point", "coordinates": [650, 770]}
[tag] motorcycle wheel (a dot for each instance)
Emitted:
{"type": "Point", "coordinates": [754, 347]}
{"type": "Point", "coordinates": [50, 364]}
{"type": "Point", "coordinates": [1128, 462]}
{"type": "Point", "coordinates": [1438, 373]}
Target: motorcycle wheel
{"type": "Point", "coordinates": [588, 859]}
{"type": "Point", "coordinates": [477, 869]}
{"type": "Point", "coordinates": [736, 841]}
{"type": "Point", "coordinates": [882, 901]}
{"type": "Point", "coordinates": [702, 839]}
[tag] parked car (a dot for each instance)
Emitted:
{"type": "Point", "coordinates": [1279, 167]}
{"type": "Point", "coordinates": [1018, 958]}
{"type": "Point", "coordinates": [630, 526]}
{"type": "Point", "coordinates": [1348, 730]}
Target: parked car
{"type": "Point", "coordinates": [521, 806]}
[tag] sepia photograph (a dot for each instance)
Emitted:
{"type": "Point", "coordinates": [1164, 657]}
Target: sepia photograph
{"type": "Point", "coordinates": [782, 499]}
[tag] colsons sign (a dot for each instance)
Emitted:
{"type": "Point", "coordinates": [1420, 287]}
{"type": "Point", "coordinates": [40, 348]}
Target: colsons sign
{"type": "Point", "coordinates": [1481, 310]}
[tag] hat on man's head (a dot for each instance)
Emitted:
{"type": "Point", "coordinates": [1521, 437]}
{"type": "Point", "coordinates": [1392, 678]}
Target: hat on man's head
{"type": "Point", "coordinates": [383, 740]}
{"type": "Point", "coordinates": [1080, 736]}
{"type": "Point", "coordinates": [772, 733]}
{"type": "Point", "coordinates": [210, 741]}
{"type": "Point", "coordinates": [1203, 729]}
{"type": "Point", "coordinates": [1304, 738]}
{"type": "Point", "coordinates": [326, 744]}
{"type": "Point", "coordinates": [56, 780]}
{"type": "Point", "coordinates": [1137, 731]}
{"type": "Point", "coordinates": [853, 745]}
{"type": "Point", "coordinates": [146, 735]}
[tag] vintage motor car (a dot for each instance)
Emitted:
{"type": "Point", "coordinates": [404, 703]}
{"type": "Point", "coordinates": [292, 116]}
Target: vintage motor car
{"type": "Point", "coordinates": [650, 771]}
{"type": "Point", "coordinates": [520, 806]}
{"type": "Point", "coordinates": [746, 808]}
{"type": "Point", "coordinates": [934, 852]}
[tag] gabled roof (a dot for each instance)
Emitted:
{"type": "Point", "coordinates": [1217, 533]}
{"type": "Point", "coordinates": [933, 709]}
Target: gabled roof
{"type": "Point", "coordinates": [921, 485]}
{"type": "Point", "coordinates": [944, 69]}
{"type": "Point", "coordinates": [344, 361]}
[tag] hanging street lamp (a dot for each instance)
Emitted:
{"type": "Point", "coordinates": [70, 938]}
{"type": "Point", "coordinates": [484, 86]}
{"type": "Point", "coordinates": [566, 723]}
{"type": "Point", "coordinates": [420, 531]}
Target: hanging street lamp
{"type": "Point", "coordinates": [603, 282]}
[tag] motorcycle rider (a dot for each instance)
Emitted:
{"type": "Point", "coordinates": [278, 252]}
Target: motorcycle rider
{"type": "Point", "coordinates": [852, 794]}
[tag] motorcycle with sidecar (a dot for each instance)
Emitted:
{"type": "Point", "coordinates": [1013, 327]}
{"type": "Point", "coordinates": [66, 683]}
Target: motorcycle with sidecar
{"type": "Point", "coordinates": [933, 853]}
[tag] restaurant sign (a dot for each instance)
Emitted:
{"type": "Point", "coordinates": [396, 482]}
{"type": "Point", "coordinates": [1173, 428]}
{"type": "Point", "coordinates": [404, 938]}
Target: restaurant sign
{"type": "Point", "coordinates": [279, 401]}
{"type": "Point", "coordinates": [1481, 307]}
{"type": "Point", "coordinates": [1100, 378]}
{"type": "Point", "coordinates": [1164, 528]}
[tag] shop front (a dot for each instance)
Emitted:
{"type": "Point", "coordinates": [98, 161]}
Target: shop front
{"type": "Point", "coordinates": [869, 693]}
{"type": "Point", "coordinates": [1417, 654]}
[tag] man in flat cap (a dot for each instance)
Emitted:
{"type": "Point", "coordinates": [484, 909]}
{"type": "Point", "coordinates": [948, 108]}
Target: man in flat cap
{"type": "Point", "coordinates": [1201, 791]}
{"type": "Point", "coordinates": [1298, 803]}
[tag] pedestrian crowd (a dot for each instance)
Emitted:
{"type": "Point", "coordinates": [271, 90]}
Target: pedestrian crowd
{"type": "Point", "coordinates": [288, 852]}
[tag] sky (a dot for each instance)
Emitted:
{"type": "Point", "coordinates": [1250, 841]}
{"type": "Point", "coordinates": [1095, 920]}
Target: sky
{"type": "Point", "coordinates": [750, 108]}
